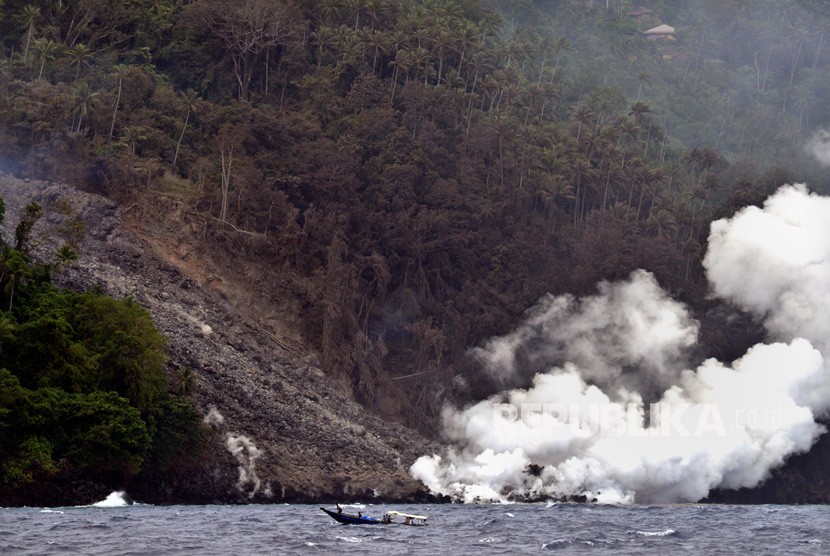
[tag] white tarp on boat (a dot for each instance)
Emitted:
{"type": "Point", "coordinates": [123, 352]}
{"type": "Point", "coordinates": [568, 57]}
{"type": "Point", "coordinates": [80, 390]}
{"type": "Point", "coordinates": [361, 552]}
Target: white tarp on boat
{"type": "Point", "coordinates": [393, 512]}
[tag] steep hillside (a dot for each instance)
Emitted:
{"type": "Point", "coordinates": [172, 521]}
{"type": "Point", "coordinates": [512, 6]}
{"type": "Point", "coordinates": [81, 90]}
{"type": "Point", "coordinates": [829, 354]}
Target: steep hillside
{"type": "Point", "coordinates": [282, 430]}
{"type": "Point", "coordinates": [327, 220]}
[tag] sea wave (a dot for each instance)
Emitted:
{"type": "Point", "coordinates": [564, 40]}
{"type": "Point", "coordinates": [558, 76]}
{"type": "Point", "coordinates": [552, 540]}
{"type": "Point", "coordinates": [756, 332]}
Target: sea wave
{"type": "Point", "coordinates": [666, 533]}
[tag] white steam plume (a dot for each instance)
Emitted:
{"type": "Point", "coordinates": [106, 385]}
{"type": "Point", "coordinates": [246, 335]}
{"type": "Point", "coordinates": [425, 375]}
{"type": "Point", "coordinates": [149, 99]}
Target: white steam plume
{"type": "Point", "coordinates": [213, 418]}
{"type": "Point", "coordinates": [819, 146]}
{"type": "Point", "coordinates": [628, 325]}
{"type": "Point", "coordinates": [720, 425]}
{"type": "Point", "coordinates": [246, 454]}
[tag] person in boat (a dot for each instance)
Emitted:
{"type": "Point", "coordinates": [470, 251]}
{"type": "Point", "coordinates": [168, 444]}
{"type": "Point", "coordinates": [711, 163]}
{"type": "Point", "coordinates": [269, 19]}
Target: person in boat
{"type": "Point", "coordinates": [339, 509]}
{"type": "Point", "coordinates": [386, 519]}
{"type": "Point", "coordinates": [407, 521]}
{"type": "Point", "coordinates": [360, 515]}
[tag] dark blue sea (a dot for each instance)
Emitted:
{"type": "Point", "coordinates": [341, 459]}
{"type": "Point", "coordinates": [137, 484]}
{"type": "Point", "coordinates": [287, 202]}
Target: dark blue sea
{"type": "Point", "coordinates": [453, 529]}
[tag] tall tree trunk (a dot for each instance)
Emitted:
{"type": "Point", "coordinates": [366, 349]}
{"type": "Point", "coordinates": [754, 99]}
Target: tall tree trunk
{"type": "Point", "coordinates": [792, 75]}
{"type": "Point", "coordinates": [267, 68]}
{"type": "Point", "coordinates": [181, 136]}
{"type": "Point", "coordinates": [227, 161]}
{"type": "Point", "coordinates": [605, 193]}
{"type": "Point", "coordinates": [818, 50]}
{"type": "Point", "coordinates": [440, 66]}
{"type": "Point", "coordinates": [394, 82]}
{"type": "Point", "coordinates": [115, 110]}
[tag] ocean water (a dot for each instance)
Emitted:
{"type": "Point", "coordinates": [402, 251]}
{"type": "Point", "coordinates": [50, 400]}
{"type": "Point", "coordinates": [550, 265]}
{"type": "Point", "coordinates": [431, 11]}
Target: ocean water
{"type": "Point", "coordinates": [113, 528]}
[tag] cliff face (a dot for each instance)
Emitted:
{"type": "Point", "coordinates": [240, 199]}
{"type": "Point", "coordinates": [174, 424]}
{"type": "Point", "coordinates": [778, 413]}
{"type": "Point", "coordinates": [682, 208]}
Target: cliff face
{"type": "Point", "coordinates": [283, 430]}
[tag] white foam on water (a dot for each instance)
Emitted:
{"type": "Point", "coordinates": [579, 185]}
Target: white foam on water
{"type": "Point", "coordinates": [666, 533]}
{"type": "Point", "coordinates": [116, 499]}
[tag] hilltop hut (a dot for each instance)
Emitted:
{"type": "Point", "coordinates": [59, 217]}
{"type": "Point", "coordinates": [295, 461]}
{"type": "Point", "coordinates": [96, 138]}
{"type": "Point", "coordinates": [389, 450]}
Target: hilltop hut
{"type": "Point", "coordinates": [664, 32]}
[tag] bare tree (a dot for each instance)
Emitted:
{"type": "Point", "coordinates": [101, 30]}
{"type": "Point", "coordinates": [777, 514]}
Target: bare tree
{"type": "Point", "coordinates": [248, 28]}
{"type": "Point", "coordinates": [227, 139]}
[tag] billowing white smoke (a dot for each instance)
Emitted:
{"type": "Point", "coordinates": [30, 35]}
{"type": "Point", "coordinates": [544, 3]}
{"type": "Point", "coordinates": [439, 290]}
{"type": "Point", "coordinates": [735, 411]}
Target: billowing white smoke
{"type": "Point", "coordinates": [574, 431]}
{"type": "Point", "coordinates": [819, 146]}
{"type": "Point", "coordinates": [246, 454]}
{"type": "Point", "coordinates": [775, 263]}
{"type": "Point", "coordinates": [629, 325]}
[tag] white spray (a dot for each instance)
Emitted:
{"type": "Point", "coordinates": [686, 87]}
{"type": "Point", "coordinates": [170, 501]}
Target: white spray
{"type": "Point", "coordinates": [582, 427]}
{"type": "Point", "coordinates": [246, 454]}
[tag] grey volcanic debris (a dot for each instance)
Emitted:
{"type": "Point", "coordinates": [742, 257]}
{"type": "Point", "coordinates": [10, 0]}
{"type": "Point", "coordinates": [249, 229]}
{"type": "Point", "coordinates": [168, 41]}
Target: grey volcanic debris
{"type": "Point", "coordinates": [282, 429]}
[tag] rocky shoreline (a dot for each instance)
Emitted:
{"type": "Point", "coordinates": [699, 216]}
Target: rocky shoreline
{"type": "Point", "coordinates": [283, 431]}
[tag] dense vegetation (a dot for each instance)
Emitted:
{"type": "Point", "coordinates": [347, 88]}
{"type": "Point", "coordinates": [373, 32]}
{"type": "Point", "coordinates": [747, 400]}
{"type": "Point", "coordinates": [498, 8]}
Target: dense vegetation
{"type": "Point", "coordinates": [83, 386]}
{"type": "Point", "coordinates": [416, 173]}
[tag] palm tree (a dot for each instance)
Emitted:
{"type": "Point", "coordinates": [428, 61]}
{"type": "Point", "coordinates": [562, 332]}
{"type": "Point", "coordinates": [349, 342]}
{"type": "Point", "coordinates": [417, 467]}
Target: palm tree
{"type": "Point", "coordinates": [639, 173]}
{"type": "Point", "coordinates": [553, 189]}
{"type": "Point", "coordinates": [132, 135]}
{"type": "Point", "coordinates": [466, 38]}
{"type": "Point", "coordinates": [119, 72]}
{"type": "Point", "coordinates": [582, 114]}
{"type": "Point", "coordinates": [7, 330]}
{"type": "Point", "coordinates": [85, 99]}
{"type": "Point", "coordinates": [580, 168]}
{"type": "Point", "coordinates": [504, 128]}
{"type": "Point", "coordinates": [444, 39]}
{"type": "Point", "coordinates": [560, 46]}
{"type": "Point", "coordinates": [651, 183]}
{"type": "Point", "coordinates": [803, 102]}
{"type": "Point", "coordinates": [663, 223]}
{"type": "Point", "coordinates": [330, 10]}
{"type": "Point", "coordinates": [5, 78]}
{"type": "Point", "coordinates": [512, 49]}
{"type": "Point", "coordinates": [421, 62]}
{"type": "Point", "coordinates": [46, 50]}
{"type": "Point", "coordinates": [377, 41]}
{"type": "Point", "coordinates": [613, 179]}
{"type": "Point", "coordinates": [324, 37]}
{"type": "Point", "coordinates": [642, 78]}
{"type": "Point", "coordinates": [344, 40]}
{"type": "Point", "coordinates": [355, 7]}
{"type": "Point", "coordinates": [15, 269]}
{"type": "Point", "coordinates": [79, 55]}
{"type": "Point", "coordinates": [190, 97]}
{"type": "Point", "coordinates": [31, 14]}
{"type": "Point", "coordinates": [639, 112]}
{"type": "Point", "coordinates": [627, 132]}
{"type": "Point", "coordinates": [63, 256]}
{"type": "Point", "coordinates": [403, 61]}
{"type": "Point", "coordinates": [374, 9]}
{"type": "Point", "coordinates": [553, 93]}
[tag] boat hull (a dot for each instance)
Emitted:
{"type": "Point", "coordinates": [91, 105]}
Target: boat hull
{"type": "Point", "coordinates": [350, 519]}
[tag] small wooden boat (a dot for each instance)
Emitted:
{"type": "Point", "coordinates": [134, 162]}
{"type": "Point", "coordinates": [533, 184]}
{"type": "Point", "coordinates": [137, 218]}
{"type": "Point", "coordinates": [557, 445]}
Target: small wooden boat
{"type": "Point", "coordinates": [388, 518]}
{"type": "Point", "coordinates": [351, 519]}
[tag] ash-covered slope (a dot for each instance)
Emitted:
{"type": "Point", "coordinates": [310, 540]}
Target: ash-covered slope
{"type": "Point", "coordinates": [283, 430]}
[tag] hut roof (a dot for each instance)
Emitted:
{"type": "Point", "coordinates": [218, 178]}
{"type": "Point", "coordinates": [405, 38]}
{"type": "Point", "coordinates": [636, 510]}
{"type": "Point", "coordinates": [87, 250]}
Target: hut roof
{"type": "Point", "coordinates": [660, 30]}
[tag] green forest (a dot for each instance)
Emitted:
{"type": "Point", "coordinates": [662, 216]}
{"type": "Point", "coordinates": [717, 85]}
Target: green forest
{"type": "Point", "coordinates": [83, 386]}
{"type": "Point", "coordinates": [408, 175]}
